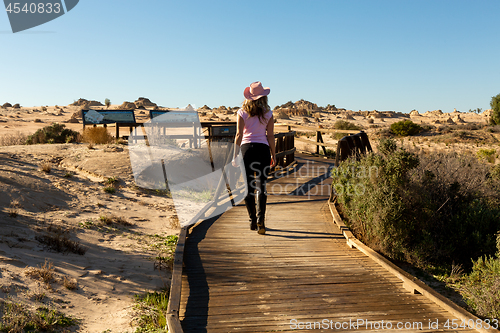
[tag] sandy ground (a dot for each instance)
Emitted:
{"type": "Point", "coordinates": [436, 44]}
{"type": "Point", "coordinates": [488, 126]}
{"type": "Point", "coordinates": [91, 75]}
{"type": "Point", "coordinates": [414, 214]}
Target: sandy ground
{"type": "Point", "coordinates": [118, 262]}
{"type": "Point", "coordinates": [69, 201]}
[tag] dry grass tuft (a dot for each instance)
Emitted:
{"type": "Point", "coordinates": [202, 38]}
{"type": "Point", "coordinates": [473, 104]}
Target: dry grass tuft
{"type": "Point", "coordinates": [13, 209]}
{"type": "Point", "coordinates": [70, 284]}
{"type": "Point", "coordinates": [45, 273]}
{"type": "Point", "coordinates": [13, 212]}
{"type": "Point", "coordinates": [113, 219]}
{"type": "Point", "coordinates": [58, 240]}
{"type": "Point", "coordinates": [38, 294]}
{"type": "Point", "coordinates": [174, 222]}
{"type": "Point", "coordinates": [13, 139]}
{"type": "Point", "coordinates": [96, 135]}
{"type": "Point", "coordinates": [46, 167]}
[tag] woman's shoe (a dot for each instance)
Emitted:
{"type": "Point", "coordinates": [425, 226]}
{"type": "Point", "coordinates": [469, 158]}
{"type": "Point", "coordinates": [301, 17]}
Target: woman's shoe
{"type": "Point", "coordinates": [253, 224]}
{"type": "Point", "coordinates": [261, 213]}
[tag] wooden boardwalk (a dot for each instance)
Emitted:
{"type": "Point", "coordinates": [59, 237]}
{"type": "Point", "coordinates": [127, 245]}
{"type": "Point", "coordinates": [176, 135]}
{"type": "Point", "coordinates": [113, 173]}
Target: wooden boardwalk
{"type": "Point", "coordinates": [300, 275]}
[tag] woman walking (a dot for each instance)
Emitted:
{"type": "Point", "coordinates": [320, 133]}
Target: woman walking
{"type": "Point", "coordinates": [255, 136]}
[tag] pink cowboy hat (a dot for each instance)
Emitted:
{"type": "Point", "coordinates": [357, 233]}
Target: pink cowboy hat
{"type": "Point", "coordinates": [256, 91]}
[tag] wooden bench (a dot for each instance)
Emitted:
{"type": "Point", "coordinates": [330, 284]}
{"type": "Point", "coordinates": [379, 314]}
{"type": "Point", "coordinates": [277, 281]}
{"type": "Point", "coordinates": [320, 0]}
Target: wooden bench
{"type": "Point", "coordinates": [121, 118]}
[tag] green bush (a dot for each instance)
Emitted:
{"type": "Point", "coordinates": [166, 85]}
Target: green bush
{"type": "Point", "coordinates": [481, 288]}
{"type": "Point", "coordinates": [405, 128]}
{"type": "Point", "coordinates": [424, 209]}
{"type": "Point", "coordinates": [495, 105]}
{"type": "Point", "coordinates": [55, 133]}
{"type": "Point", "coordinates": [487, 155]}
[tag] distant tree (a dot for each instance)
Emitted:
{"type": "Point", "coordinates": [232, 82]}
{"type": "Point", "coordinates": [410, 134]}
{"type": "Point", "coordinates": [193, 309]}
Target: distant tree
{"type": "Point", "coordinates": [478, 110]}
{"type": "Point", "coordinates": [495, 105]}
{"type": "Point", "coordinates": [107, 102]}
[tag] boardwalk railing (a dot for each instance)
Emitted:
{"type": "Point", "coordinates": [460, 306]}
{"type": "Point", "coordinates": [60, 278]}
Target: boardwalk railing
{"type": "Point", "coordinates": [285, 149]}
{"type": "Point", "coordinates": [319, 142]}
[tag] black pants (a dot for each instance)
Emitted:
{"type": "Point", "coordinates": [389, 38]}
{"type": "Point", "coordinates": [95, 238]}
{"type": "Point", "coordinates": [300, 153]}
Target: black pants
{"type": "Point", "coordinates": [257, 161]}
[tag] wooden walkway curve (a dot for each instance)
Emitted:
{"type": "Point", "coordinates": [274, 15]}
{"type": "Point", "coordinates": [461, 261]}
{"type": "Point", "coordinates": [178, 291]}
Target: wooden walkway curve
{"type": "Point", "coordinates": [300, 275]}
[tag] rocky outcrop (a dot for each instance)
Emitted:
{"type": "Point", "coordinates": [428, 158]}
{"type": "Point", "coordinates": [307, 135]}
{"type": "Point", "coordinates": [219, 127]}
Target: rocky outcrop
{"type": "Point", "coordinates": [145, 102]}
{"type": "Point", "coordinates": [127, 106]}
{"type": "Point", "coordinates": [84, 102]}
{"type": "Point", "coordinates": [458, 120]}
{"type": "Point", "coordinates": [375, 114]}
{"type": "Point", "coordinates": [487, 113]}
{"type": "Point", "coordinates": [330, 108]}
{"type": "Point", "coordinates": [299, 105]}
{"type": "Point", "coordinates": [435, 113]}
{"type": "Point", "coordinates": [449, 121]}
{"type": "Point", "coordinates": [306, 105]}
{"type": "Point", "coordinates": [280, 114]}
{"type": "Point", "coordinates": [414, 113]}
{"type": "Point", "coordinates": [204, 108]}
{"type": "Point", "coordinates": [6, 105]}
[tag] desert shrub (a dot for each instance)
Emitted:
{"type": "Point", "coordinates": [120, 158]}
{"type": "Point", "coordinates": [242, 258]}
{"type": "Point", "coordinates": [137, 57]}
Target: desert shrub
{"type": "Point", "coordinates": [423, 209]}
{"type": "Point", "coordinates": [487, 155]}
{"type": "Point", "coordinates": [427, 128]}
{"type": "Point", "coordinates": [13, 139]}
{"type": "Point", "coordinates": [494, 129]}
{"type": "Point", "coordinates": [345, 125]}
{"type": "Point", "coordinates": [109, 189]}
{"type": "Point", "coordinates": [55, 133]}
{"type": "Point", "coordinates": [405, 128]}
{"type": "Point", "coordinates": [96, 135]}
{"type": "Point", "coordinates": [469, 126]}
{"type": "Point", "coordinates": [481, 288]}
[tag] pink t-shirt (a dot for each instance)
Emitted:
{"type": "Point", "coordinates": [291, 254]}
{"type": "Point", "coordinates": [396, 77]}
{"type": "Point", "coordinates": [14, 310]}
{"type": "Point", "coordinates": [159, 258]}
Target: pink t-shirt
{"type": "Point", "coordinates": [254, 130]}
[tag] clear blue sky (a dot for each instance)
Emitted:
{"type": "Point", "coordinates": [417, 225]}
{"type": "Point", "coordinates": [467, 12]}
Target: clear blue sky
{"type": "Point", "coordinates": [360, 55]}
